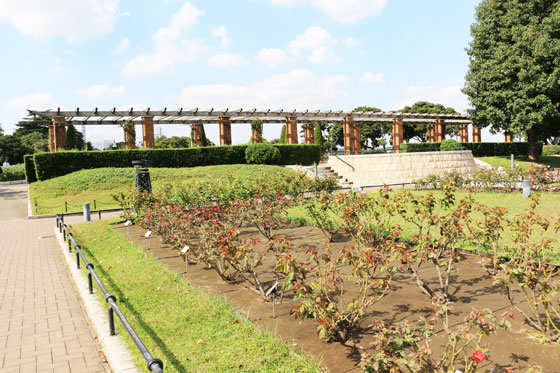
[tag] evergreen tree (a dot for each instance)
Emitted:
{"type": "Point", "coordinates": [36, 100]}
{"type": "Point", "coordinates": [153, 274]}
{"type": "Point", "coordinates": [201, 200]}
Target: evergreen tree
{"type": "Point", "coordinates": [513, 82]}
{"type": "Point", "coordinates": [71, 135]}
{"type": "Point", "coordinates": [420, 131]}
{"type": "Point", "coordinates": [318, 135]}
{"type": "Point", "coordinates": [283, 139]}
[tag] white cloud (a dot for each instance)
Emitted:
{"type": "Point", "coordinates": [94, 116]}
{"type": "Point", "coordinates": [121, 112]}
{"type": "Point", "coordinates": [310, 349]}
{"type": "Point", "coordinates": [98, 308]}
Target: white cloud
{"type": "Point", "coordinates": [315, 45]}
{"type": "Point", "coordinates": [221, 32]}
{"type": "Point", "coordinates": [123, 45]}
{"type": "Point", "coordinates": [224, 60]}
{"type": "Point", "coordinates": [298, 89]}
{"type": "Point", "coordinates": [38, 100]}
{"type": "Point", "coordinates": [102, 91]}
{"type": "Point", "coordinates": [74, 20]}
{"type": "Point", "coordinates": [347, 11]}
{"type": "Point", "coordinates": [273, 57]}
{"type": "Point", "coordinates": [58, 65]}
{"type": "Point", "coordinates": [351, 42]}
{"type": "Point", "coordinates": [446, 93]}
{"type": "Point", "coordinates": [171, 49]}
{"type": "Point", "coordinates": [370, 78]}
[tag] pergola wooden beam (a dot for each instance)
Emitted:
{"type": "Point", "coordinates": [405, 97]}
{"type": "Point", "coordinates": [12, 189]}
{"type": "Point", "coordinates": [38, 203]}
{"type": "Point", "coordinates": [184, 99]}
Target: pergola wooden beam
{"type": "Point", "coordinates": [253, 114]}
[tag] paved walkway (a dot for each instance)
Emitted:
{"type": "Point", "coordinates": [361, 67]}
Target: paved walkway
{"type": "Point", "coordinates": [42, 324]}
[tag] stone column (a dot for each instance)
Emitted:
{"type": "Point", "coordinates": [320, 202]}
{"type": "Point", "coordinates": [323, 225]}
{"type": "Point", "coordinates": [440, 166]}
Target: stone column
{"type": "Point", "coordinates": [508, 137]}
{"type": "Point", "coordinates": [310, 133]}
{"type": "Point", "coordinates": [148, 132]}
{"type": "Point", "coordinates": [356, 138]}
{"type": "Point", "coordinates": [291, 130]}
{"type": "Point", "coordinates": [57, 134]}
{"type": "Point", "coordinates": [348, 129]}
{"type": "Point", "coordinates": [197, 134]}
{"type": "Point", "coordinates": [439, 130]}
{"type": "Point", "coordinates": [397, 136]}
{"type": "Point", "coordinates": [464, 133]}
{"type": "Point", "coordinates": [476, 134]}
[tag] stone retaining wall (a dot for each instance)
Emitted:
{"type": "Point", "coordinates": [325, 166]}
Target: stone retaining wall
{"type": "Point", "coordinates": [375, 169]}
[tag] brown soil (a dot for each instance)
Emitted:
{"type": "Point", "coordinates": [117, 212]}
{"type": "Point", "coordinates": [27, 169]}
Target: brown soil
{"type": "Point", "coordinates": [471, 287]}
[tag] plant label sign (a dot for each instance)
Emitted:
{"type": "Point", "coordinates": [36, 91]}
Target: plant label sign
{"type": "Point", "coordinates": [272, 289]}
{"type": "Point", "coordinates": [127, 223]}
{"type": "Point", "coordinates": [185, 249]}
{"type": "Point", "coordinates": [148, 234]}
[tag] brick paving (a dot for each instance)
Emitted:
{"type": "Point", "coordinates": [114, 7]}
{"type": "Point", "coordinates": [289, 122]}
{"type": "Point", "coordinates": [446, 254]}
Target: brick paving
{"type": "Point", "coordinates": [42, 324]}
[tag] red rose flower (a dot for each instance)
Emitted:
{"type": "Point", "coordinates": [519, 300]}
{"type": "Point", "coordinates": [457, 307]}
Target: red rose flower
{"type": "Point", "coordinates": [169, 207]}
{"type": "Point", "coordinates": [479, 356]}
{"type": "Point", "coordinates": [530, 170]}
{"type": "Point", "coordinates": [532, 180]}
{"type": "Point", "coordinates": [148, 215]}
{"type": "Point", "coordinates": [523, 176]}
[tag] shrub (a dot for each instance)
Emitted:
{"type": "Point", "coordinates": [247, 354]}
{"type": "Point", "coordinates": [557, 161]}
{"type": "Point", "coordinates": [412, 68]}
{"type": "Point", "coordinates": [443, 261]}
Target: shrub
{"type": "Point", "coordinates": [450, 144]}
{"type": "Point", "coordinates": [30, 172]}
{"type": "Point", "coordinates": [479, 149]}
{"type": "Point", "coordinates": [262, 154]}
{"type": "Point", "coordinates": [551, 150]}
{"type": "Point", "coordinates": [11, 173]}
{"type": "Point", "coordinates": [420, 147]}
{"type": "Point", "coordinates": [49, 165]}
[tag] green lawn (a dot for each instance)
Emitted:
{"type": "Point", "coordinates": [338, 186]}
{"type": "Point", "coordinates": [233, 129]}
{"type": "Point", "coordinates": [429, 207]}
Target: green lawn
{"type": "Point", "coordinates": [99, 184]}
{"type": "Point", "coordinates": [514, 202]}
{"type": "Point", "coordinates": [189, 330]}
{"type": "Point", "coordinates": [522, 161]}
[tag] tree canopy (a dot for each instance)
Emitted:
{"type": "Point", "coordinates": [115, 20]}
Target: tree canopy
{"type": "Point", "coordinates": [419, 131]}
{"type": "Point", "coordinates": [175, 142]}
{"type": "Point", "coordinates": [513, 82]}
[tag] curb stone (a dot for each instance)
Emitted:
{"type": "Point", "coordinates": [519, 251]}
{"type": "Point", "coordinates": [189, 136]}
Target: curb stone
{"type": "Point", "coordinates": [116, 351]}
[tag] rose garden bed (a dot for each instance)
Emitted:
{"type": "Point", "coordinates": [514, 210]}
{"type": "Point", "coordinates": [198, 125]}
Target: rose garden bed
{"type": "Point", "coordinates": [368, 298]}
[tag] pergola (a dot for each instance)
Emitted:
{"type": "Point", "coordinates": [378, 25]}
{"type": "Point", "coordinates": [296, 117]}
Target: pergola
{"type": "Point", "coordinates": [225, 118]}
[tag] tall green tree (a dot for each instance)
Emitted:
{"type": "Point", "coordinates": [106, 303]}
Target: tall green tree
{"type": "Point", "coordinates": [71, 135]}
{"type": "Point", "coordinates": [513, 82]}
{"type": "Point", "coordinates": [174, 142]}
{"type": "Point", "coordinates": [283, 139]}
{"type": "Point", "coordinates": [372, 132]}
{"type": "Point", "coordinates": [420, 131]}
{"type": "Point", "coordinates": [33, 124]}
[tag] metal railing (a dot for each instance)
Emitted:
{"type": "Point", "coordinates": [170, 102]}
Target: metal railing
{"type": "Point", "coordinates": [154, 365]}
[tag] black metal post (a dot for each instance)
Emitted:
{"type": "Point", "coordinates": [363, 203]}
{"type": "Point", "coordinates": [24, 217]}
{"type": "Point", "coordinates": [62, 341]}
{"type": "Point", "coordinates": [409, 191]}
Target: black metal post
{"type": "Point", "coordinates": [69, 246]}
{"type": "Point", "coordinates": [99, 214]}
{"type": "Point", "coordinates": [90, 277]}
{"type": "Point", "coordinates": [111, 321]}
{"type": "Point", "coordinates": [94, 205]}
{"type": "Point", "coordinates": [65, 206]}
{"type": "Point", "coordinates": [90, 283]}
{"type": "Point", "coordinates": [77, 259]}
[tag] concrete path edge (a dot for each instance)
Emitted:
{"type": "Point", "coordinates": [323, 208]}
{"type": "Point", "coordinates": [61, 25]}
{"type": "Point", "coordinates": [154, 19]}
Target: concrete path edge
{"type": "Point", "coordinates": [115, 349]}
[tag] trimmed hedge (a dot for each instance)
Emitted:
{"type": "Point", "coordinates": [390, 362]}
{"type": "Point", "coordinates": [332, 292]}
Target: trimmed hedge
{"type": "Point", "coordinates": [479, 149]}
{"type": "Point", "coordinates": [29, 163]}
{"type": "Point", "coordinates": [262, 154]}
{"type": "Point", "coordinates": [50, 165]}
{"type": "Point", "coordinates": [551, 150]}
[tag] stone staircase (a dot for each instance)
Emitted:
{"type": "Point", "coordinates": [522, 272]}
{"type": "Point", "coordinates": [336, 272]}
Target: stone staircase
{"type": "Point", "coordinates": [323, 171]}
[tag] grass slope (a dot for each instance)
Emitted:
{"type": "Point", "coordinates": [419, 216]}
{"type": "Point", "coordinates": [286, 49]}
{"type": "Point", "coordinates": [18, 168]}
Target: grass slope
{"type": "Point", "coordinates": [514, 202]}
{"type": "Point", "coordinates": [189, 330]}
{"type": "Point", "coordinates": [99, 184]}
{"type": "Point", "coordinates": [521, 160]}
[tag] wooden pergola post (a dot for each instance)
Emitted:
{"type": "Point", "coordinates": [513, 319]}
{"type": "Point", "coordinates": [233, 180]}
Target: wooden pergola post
{"type": "Point", "coordinates": [431, 132]}
{"type": "Point", "coordinates": [291, 130]}
{"type": "Point", "coordinates": [464, 133]}
{"type": "Point", "coordinates": [57, 134]}
{"type": "Point", "coordinates": [129, 137]}
{"type": "Point", "coordinates": [476, 137]}
{"type": "Point", "coordinates": [148, 141]}
{"type": "Point", "coordinates": [356, 138]}
{"type": "Point", "coordinates": [439, 131]}
{"type": "Point", "coordinates": [508, 137]}
{"type": "Point", "coordinates": [397, 136]}
{"type": "Point", "coordinates": [225, 131]}
{"type": "Point", "coordinates": [197, 134]}
{"type": "Point", "coordinates": [309, 133]}
{"type": "Point", "coordinates": [348, 130]}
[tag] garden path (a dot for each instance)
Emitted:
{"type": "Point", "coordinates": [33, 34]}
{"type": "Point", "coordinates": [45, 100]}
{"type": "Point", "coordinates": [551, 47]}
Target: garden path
{"type": "Point", "coordinates": [42, 324]}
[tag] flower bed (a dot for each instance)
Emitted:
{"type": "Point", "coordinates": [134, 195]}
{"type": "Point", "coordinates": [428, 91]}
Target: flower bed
{"type": "Point", "coordinates": [341, 289]}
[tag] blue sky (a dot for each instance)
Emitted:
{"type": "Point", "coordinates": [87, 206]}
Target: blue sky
{"type": "Point", "coordinates": [289, 54]}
